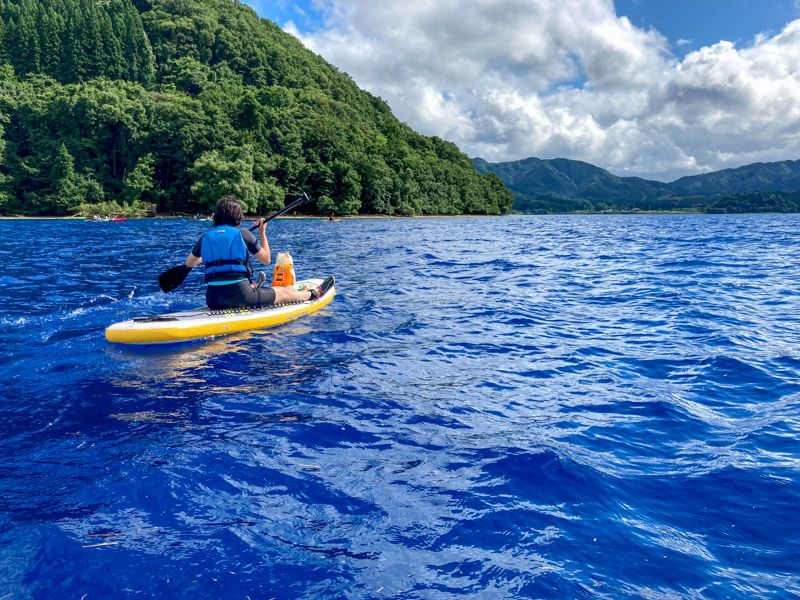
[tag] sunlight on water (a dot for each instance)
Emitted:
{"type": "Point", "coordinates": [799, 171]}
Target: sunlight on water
{"type": "Point", "coordinates": [521, 407]}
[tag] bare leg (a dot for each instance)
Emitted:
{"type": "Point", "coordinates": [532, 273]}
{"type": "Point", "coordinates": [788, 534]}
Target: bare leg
{"type": "Point", "coordinates": [289, 294]}
{"type": "Point", "coordinates": [286, 294]}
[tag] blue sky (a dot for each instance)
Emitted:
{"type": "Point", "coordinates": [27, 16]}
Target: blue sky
{"type": "Point", "coordinates": [653, 88]}
{"type": "Point", "coordinates": [698, 22]}
{"type": "Point", "coordinates": [705, 22]}
{"type": "Point", "coordinates": [302, 12]}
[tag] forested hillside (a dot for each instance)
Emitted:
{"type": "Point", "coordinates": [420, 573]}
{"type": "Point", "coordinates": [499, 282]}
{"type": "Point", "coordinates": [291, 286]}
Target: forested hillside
{"type": "Point", "coordinates": [573, 180]}
{"type": "Point", "coordinates": [561, 185]}
{"type": "Point", "coordinates": [175, 102]}
{"type": "Point", "coordinates": [757, 177]}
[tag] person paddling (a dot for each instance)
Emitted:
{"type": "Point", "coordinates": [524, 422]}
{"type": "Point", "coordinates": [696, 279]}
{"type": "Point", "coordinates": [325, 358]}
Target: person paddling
{"type": "Point", "coordinates": [225, 250]}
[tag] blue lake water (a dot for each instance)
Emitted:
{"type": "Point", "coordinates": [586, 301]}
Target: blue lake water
{"type": "Point", "coordinates": [519, 407]}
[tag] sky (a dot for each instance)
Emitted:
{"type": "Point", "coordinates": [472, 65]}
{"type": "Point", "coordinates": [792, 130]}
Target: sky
{"type": "Point", "coordinates": [650, 88]}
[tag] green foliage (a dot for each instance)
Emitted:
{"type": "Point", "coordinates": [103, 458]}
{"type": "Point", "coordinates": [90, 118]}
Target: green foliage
{"type": "Point", "coordinates": [76, 40]}
{"type": "Point", "coordinates": [757, 177]}
{"type": "Point", "coordinates": [235, 171]}
{"type": "Point", "coordinates": [176, 102]}
{"type": "Point", "coordinates": [778, 202]}
{"type": "Point", "coordinates": [138, 181]}
{"type": "Point", "coordinates": [113, 209]}
{"type": "Point", "coordinates": [573, 180]}
{"type": "Point", "coordinates": [68, 187]}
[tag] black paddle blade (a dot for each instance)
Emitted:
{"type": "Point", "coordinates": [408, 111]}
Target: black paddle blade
{"type": "Point", "coordinates": [171, 279]}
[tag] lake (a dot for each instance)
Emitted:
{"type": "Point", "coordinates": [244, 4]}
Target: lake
{"type": "Point", "coordinates": [518, 407]}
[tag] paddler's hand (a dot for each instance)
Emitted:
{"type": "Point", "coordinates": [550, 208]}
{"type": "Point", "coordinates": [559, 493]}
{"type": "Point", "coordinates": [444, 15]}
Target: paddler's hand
{"type": "Point", "coordinates": [263, 255]}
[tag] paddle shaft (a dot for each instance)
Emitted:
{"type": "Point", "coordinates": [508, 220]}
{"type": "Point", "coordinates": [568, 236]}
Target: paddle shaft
{"type": "Point", "coordinates": [301, 200]}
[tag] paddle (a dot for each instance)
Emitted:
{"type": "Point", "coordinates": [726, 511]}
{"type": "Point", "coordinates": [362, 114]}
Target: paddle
{"type": "Point", "coordinates": [172, 278]}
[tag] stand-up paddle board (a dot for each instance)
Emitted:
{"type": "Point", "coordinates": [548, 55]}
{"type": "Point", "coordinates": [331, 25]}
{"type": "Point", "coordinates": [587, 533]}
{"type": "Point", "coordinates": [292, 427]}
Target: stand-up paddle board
{"type": "Point", "coordinates": [204, 322]}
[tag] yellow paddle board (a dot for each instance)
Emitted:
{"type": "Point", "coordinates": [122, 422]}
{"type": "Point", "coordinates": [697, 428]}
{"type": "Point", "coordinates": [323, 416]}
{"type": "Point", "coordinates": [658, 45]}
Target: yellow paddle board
{"type": "Point", "coordinates": [204, 322]}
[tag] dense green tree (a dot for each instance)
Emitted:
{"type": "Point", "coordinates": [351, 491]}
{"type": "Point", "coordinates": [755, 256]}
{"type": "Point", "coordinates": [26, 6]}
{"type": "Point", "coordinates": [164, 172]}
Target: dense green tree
{"type": "Point", "coordinates": [139, 180]}
{"type": "Point", "coordinates": [179, 101]}
{"type": "Point", "coordinates": [379, 184]}
{"type": "Point", "coordinates": [233, 171]}
{"type": "Point", "coordinates": [76, 40]}
{"type": "Point", "coordinates": [348, 188]}
{"type": "Point", "coordinates": [4, 179]}
{"type": "Point", "coordinates": [188, 75]}
{"type": "Point", "coordinates": [69, 188]}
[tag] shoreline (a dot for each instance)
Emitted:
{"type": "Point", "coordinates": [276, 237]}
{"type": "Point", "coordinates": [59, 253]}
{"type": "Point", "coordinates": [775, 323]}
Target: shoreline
{"type": "Point", "coordinates": [354, 217]}
{"type": "Point", "coordinates": [247, 218]}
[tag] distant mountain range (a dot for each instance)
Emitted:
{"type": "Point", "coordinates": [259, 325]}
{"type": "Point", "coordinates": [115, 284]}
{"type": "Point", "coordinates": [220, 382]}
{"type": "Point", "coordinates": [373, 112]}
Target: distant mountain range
{"type": "Point", "coordinates": [562, 185]}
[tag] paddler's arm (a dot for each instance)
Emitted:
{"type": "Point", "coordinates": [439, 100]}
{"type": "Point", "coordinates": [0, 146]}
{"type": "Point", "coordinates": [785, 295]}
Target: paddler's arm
{"type": "Point", "coordinates": [194, 258]}
{"type": "Point", "coordinates": [192, 261]}
{"type": "Point", "coordinates": [263, 256]}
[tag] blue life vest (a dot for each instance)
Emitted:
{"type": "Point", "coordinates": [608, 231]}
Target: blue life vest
{"type": "Point", "coordinates": [225, 255]}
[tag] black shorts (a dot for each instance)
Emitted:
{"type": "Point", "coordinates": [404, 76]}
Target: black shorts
{"type": "Point", "coordinates": [238, 295]}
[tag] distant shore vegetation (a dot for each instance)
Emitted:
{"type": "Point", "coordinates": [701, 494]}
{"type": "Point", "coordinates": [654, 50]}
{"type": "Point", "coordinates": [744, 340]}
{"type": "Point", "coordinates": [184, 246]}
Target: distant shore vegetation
{"type": "Point", "coordinates": [750, 202]}
{"type": "Point", "coordinates": [165, 105]}
{"type": "Point", "coordinates": [542, 186]}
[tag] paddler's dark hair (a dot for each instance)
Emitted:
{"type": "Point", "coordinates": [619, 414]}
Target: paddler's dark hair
{"type": "Point", "coordinates": [229, 212]}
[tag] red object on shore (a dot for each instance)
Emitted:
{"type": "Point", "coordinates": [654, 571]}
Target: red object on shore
{"type": "Point", "coordinates": [118, 219]}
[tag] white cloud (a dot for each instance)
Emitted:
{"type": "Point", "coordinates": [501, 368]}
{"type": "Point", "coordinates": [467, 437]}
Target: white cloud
{"type": "Point", "coordinates": [508, 79]}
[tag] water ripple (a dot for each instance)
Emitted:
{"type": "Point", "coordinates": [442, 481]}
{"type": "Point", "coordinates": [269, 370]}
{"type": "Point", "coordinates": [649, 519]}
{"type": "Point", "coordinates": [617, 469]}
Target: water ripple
{"type": "Point", "coordinates": [522, 407]}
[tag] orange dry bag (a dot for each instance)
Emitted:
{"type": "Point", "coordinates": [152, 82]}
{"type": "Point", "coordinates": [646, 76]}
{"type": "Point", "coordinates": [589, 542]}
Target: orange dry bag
{"type": "Point", "coordinates": [284, 270]}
